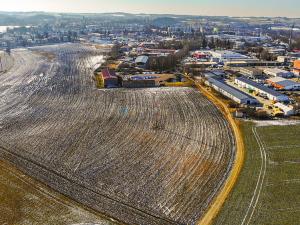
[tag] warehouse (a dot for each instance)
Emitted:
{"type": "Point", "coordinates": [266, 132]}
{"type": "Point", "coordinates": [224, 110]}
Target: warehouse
{"type": "Point", "coordinates": [296, 67]}
{"type": "Point", "coordinates": [275, 72]}
{"type": "Point", "coordinates": [139, 81]}
{"type": "Point", "coordinates": [288, 111]}
{"type": "Point", "coordinates": [227, 56]}
{"type": "Point", "coordinates": [231, 92]}
{"type": "Point", "coordinates": [251, 85]}
{"type": "Point", "coordinates": [251, 72]}
{"type": "Point", "coordinates": [252, 63]}
{"type": "Point", "coordinates": [142, 61]}
{"type": "Point", "coordinates": [283, 84]}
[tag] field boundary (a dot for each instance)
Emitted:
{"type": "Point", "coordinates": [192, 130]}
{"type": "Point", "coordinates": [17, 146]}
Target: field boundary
{"type": "Point", "coordinates": [260, 181]}
{"type": "Point", "coordinates": [220, 199]}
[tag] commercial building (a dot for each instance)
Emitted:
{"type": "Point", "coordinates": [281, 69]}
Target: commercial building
{"type": "Point", "coordinates": [227, 56]}
{"type": "Point", "coordinates": [252, 63]}
{"type": "Point", "coordinates": [275, 72]}
{"type": "Point", "coordinates": [287, 110]}
{"type": "Point", "coordinates": [128, 83]}
{"type": "Point", "coordinates": [231, 92]}
{"type": "Point", "coordinates": [296, 67]}
{"type": "Point", "coordinates": [283, 84]}
{"type": "Point", "coordinates": [251, 72]}
{"type": "Point", "coordinates": [147, 80]}
{"type": "Point", "coordinates": [142, 61]}
{"type": "Point", "coordinates": [270, 93]}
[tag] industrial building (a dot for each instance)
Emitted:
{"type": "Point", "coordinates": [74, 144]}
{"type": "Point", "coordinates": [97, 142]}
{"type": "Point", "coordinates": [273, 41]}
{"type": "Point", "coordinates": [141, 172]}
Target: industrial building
{"type": "Point", "coordinates": [251, 72]}
{"type": "Point", "coordinates": [227, 56]}
{"type": "Point", "coordinates": [275, 72]}
{"type": "Point", "coordinates": [143, 83]}
{"type": "Point", "coordinates": [251, 85]}
{"type": "Point", "coordinates": [297, 67]}
{"type": "Point", "coordinates": [287, 110]}
{"type": "Point", "coordinates": [252, 63]}
{"type": "Point", "coordinates": [147, 80]}
{"type": "Point", "coordinates": [142, 61]}
{"type": "Point", "coordinates": [283, 84]}
{"type": "Point", "coordinates": [231, 92]}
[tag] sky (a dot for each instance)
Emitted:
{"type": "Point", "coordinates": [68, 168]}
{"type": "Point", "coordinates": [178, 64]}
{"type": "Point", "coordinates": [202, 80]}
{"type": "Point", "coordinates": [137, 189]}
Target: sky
{"type": "Point", "coordinates": [284, 8]}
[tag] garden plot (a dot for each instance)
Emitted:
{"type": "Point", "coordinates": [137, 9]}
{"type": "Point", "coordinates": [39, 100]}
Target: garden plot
{"type": "Point", "coordinates": [143, 156]}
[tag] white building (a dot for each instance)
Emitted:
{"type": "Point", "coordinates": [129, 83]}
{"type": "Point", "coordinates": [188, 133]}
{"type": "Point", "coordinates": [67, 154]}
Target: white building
{"type": "Point", "coordinates": [288, 111]}
{"type": "Point", "coordinates": [275, 72]}
{"type": "Point", "coordinates": [227, 56]}
{"type": "Point", "coordinates": [270, 93]}
{"type": "Point", "coordinates": [231, 92]}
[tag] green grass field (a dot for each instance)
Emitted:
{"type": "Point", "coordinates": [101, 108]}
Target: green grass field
{"type": "Point", "coordinates": [268, 190]}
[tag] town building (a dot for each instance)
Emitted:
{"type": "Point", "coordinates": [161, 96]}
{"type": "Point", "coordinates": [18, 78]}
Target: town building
{"type": "Point", "coordinates": [231, 92]}
{"type": "Point", "coordinates": [287, 110]}
{"type": "Point", "coordinates": [142, 61]}
{"type": "Point", "coordinates": [254, 86]}
{"type": "Point", "coordinates": [227, 56]}
{"type": "Point", "coordinates": [296, 67]}
{"type": "Point", "coordinates": [251, 72]}
{"type": "Point", "coordinates": [252, 63]}
{"type": "Point", "coordinates": [275, 72]}
{"type": "Point", "coordinates": [283, 84]}
{"type": "Point", "coordinates": [108, 78]}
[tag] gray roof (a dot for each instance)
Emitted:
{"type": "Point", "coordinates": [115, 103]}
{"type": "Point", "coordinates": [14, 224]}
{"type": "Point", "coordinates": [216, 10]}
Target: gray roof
{"type": "Point", "coordinates": [141, 59]}
{"type": "Point", "coordinates": [288, 83]}
{"type": "Point", "coordinates": [231, 90]}
{"type": "Point", "coordinates": [259, 86]}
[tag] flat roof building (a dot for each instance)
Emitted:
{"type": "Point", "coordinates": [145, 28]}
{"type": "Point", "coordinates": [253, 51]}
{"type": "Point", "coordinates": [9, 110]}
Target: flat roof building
{"type": "Point", "coordinates": [251, 72]}
{"type": "Point", "coordinates": [276, 72]}
{"type": "Point", "coordinates": [252, 63]}
{"type": "Point", "coordinates": [142, 61]}
{"type": "Point", "coordinates": [296, 67]}
{"type": "Point", "coordinates": [288, 111]}
{"type": "Point", "coordinates": [283, 84]}
{"type": "Point", "coordinates": [225, 56]}
{"type": "Point", "coordinates": [231, 92]}
{"type": "Point", "coordinates": [251, 85]}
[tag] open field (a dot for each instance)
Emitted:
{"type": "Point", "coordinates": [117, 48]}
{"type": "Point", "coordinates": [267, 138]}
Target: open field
{"type": "Point", "coordinates": [268, 190]}
{"type": "Point", "coordinates": [23, 201]}
{"type": "Point", "coordinates": [6, 62]}
{"type": "Point", "coordinates": [143, 156]}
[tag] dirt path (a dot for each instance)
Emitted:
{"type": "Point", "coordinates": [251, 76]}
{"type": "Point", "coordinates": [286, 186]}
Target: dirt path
{"type": "Point", "coordinates": [238, 163]}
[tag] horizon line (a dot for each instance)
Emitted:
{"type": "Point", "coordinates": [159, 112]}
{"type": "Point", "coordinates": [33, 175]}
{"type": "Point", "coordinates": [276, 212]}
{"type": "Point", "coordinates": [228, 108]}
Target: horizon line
{"type": "Point", "coordinates": [143, 13]}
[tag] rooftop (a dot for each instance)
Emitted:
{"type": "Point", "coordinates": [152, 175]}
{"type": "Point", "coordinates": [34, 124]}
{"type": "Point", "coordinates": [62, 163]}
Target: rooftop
{"type": "Point", "coordinates": [233, 91]}
{"type": "Point", "coordinates": [141, 59]}
{"type": "Point", "coordinates": [107, 73]}
{"type": "Point", "coordinates": [259, 86]}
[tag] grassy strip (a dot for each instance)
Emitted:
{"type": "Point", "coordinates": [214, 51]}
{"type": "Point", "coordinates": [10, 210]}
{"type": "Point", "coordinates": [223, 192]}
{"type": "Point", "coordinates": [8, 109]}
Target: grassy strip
{"type": "Point", "coordinates": [238, 201]}
{"type": "Point", "coordinates": [279, 202]}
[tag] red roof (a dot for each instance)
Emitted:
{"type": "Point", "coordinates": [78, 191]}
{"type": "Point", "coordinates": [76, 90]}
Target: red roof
{"type": "Point", "coordinates": [107, 73]}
